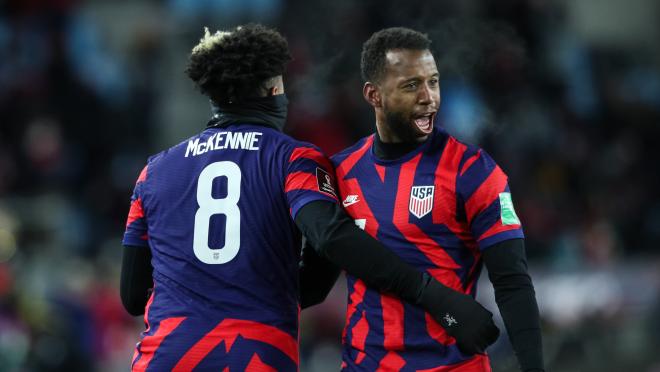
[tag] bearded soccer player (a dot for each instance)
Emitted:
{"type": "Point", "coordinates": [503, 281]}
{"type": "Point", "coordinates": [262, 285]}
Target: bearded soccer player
{"type": "Point", "coordinates": [442, 206]}
{"type": "Point", "coordinates": [212, 241]}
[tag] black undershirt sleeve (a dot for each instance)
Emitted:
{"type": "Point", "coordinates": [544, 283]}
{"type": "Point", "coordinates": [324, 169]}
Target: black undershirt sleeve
{"type": "Point", "coordinates": [335, 237]}
{"type": "Point", "coordinates": [317, 277]}
{"type": "Point", "coordinates": [136, 279]}
{"type": "Point", "coordinates": [515, 297]}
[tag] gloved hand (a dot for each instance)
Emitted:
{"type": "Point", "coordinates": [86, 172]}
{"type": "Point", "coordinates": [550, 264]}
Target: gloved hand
{"type": "Point", "coordinates": [460, 315]}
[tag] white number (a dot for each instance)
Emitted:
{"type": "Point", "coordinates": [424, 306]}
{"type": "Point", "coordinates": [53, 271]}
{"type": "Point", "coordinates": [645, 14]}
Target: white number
{"type": "Point", "coordinates": [208, 206]}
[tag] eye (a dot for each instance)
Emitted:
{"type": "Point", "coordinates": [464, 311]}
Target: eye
{"type": "Point", "coordinates": [410, 86]}
{"type": "Point", "coordinates": [433, 82]}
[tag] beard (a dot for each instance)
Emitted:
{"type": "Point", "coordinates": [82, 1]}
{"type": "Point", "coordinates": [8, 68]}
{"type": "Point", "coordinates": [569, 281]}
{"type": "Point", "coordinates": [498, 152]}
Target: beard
{"type": "Point", "coordinates": [402, 126]}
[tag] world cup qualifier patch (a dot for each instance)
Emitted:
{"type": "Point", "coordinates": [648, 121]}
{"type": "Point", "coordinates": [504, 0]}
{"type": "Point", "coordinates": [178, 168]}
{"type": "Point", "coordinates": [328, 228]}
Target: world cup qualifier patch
{"type": "Point", "coordinates": [324, 182]}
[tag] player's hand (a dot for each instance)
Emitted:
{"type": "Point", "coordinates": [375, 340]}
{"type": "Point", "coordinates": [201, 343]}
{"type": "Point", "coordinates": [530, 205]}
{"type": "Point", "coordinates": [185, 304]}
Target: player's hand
{"type": "Point", "coordinates": [461, 316]}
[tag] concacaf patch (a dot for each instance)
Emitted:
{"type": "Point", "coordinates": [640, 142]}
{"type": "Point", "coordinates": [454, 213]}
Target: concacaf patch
{"type": "Point", "coordinates": [508, 214]}
{"type": "Point", "coordinates": [324, 182]}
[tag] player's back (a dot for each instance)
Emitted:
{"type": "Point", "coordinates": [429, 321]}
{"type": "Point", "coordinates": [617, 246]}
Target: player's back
{"type": "Point", "coordinates": [218, 213]}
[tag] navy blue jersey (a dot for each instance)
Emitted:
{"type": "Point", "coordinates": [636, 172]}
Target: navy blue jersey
{"type": "Point", "coordinates": [217, 211]}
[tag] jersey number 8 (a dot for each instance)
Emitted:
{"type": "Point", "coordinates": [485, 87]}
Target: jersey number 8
{"type": "Point", "coordinates": [209, 206]}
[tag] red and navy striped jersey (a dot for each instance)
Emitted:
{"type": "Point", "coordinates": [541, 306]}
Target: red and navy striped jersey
{"type": "Point", "coordinates": [217, 212]}
{"type": "Point", "coordinates": [437, 207]}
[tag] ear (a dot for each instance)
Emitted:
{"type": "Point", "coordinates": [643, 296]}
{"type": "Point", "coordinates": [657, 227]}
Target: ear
{"type": "Point", "coordinates": [371, 94]}
{"type": "Point", "coordinates": [273, 91]}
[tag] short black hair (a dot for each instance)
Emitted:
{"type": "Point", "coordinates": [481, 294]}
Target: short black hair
{"type": "Point", "coordinates": [234, 64]}
{"type": "Point", "coordinates": [372, 64]}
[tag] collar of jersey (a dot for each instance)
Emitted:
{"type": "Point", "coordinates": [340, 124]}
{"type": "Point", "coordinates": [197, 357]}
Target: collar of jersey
{"type": "Point", "coordinates": [404, 158]}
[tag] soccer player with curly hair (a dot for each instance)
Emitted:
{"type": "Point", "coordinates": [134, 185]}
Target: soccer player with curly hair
{"type": "Point", "coordinates": [213, 236]}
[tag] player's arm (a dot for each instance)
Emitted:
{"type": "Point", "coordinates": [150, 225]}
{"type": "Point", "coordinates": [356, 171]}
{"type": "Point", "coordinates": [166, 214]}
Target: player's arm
{"type": "Point", "coordinates": [136, 281]}
{"type": "Point", "coordinates": [335, 237]}
{"type": "Point", "coordinates": [488, 208]}
{"type": "Point", "coordinates": [317, 277]}
{"type": "Point", "coordinates": [515, 297]}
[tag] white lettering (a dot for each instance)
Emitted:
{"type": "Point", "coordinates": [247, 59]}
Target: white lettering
{"type": "Point", "coordinates": [209, 143]}
{"type": "Point", "coordinates": [242, 140]}
{"type": "Point", "coordinates": [231, 141]}
{"type": "Point", "coordinates": [192, 147]}
{"type": "Point", "coordinates": [219, 140]}
{"type": "Point", "coordinates": [255, 138]}
{"type": "Point", "coordinates": [201, 148]}
{"type": "Point", "coordinates": [224, 140]}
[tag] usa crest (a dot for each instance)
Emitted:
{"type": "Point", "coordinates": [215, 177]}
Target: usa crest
{"type": "Point", "coordinates": [421, 200]}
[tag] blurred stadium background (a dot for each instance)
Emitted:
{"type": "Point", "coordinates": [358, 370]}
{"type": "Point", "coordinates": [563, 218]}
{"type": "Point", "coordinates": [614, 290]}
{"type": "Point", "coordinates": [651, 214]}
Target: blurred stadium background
{"type": "Point", "coordinates": [564, 94]}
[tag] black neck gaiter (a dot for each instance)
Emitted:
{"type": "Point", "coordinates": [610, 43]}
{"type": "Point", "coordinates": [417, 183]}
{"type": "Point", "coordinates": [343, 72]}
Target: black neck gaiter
{"type": "Point", "coordinates": [269, 111]}
{"type": "Point", "coordinates": [391, 151]}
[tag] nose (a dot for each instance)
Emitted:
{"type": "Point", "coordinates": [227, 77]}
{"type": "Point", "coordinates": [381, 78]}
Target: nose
{"type": "Point", "coordinates": [425, 96]}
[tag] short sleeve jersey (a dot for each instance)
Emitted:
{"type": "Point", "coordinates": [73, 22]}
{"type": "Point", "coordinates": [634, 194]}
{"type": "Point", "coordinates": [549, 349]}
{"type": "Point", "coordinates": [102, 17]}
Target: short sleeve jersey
{"type": "Point", "coordinates": [437, 208]}
{"type": "Point", "coordinates": [217, 212]}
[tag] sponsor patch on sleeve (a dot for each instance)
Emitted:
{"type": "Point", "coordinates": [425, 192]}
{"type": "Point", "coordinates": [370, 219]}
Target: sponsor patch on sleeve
{"type": "Point", "coordinates": [509, 216]}
{"type": "Point", "coordinates": [324, 182]}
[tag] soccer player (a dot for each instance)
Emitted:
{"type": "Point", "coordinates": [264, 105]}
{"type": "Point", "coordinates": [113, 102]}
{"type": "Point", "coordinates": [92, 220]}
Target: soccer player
{"type": "Point", "coordinates": [441, 205]}
{"type": "Point", "coordinates": [213, 236]}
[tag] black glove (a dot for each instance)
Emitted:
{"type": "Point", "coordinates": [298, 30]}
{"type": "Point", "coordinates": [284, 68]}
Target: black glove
{"type": "Point", "coordinates": [460, 315]}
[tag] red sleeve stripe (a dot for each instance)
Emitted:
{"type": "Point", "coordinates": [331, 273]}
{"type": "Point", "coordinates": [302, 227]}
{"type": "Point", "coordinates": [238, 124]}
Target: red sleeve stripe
{"type": "Point", "coordinates": [228, 330]}
{"type": "Point", "coordinates": [496, 229]}
{"type": "Point", "coordinates": [136, 212]}
{"type": "Point", "coordinates": [348, 163]}
{"type": "Point", "coordinates": [150, 344]}
{"type": "Point", "coordinates": [486, 193]}
{"type": "Point", "coordinates": [470, 161]}
{"type": "Point", "coordinates": [301, 181]}
{"type": "Point", "coordinates": [143, 175]}
{"type": "Point", "coordinates": [312, 154]}
{"type": "Point", "coordinates": [304, 181]}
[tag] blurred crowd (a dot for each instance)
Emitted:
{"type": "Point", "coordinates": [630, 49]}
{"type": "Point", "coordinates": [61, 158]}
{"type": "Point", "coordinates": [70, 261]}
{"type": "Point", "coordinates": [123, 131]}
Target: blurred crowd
{"type": "Point", "coordinates": [564, 95]}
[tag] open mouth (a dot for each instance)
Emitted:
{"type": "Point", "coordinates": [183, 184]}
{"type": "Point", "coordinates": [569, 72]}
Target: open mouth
{"type": "Point", "coordinates": [425, 122]}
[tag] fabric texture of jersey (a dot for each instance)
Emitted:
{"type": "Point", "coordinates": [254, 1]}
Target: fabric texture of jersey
{"type": "Point", "coordinates": [217, 212]}
{"type": "Point", "coordinates": [437, 207]}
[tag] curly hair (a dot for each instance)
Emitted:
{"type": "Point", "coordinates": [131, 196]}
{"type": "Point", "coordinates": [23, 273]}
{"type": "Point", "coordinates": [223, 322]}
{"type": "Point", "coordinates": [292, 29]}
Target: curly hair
{"type": "Point", "coordinates": [372, 64]}
{"type": "Point", "coordinates": [230, 65]}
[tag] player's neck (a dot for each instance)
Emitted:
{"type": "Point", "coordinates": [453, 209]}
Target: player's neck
{"type": "Point", "coordinates": [393, 150]}
{"type": "Point", "coordinates": [270, 111]}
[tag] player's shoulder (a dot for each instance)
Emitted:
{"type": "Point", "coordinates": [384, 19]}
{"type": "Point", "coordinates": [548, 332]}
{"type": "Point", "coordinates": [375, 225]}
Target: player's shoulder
{"type": "Point", "coordinates": [474, 165]}
{"type": "Point", "coordinates": [298, 150]}
{"type": "Point", "coordinates": [155, 159]}
{"type": "Point", "coordinates": [339, 157]}
{"type": "Point", "coordinates": [448, 143]}
{"type": "Point", "coordinates": [469, 152]}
